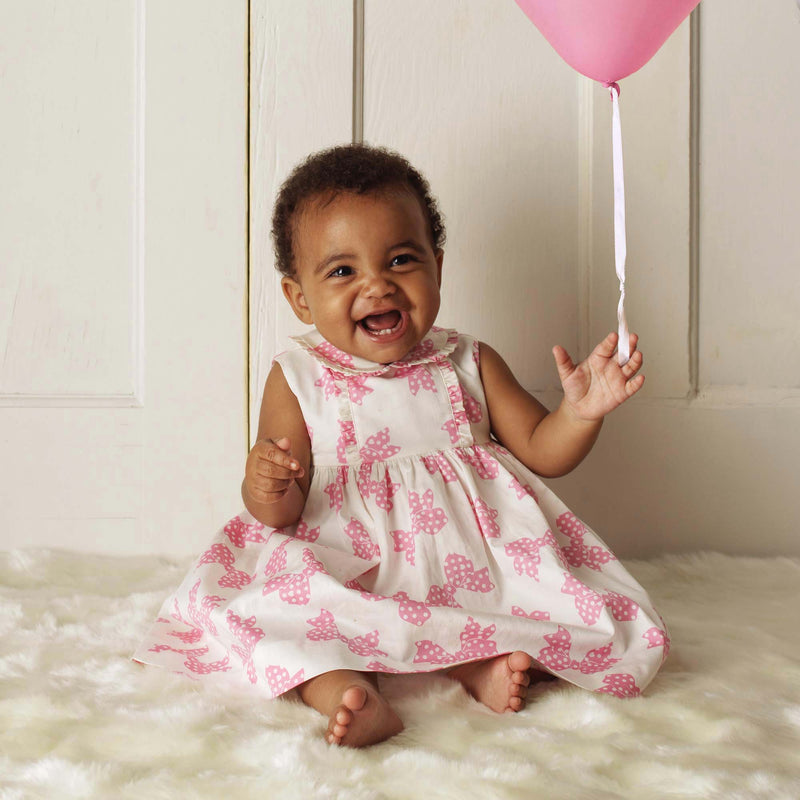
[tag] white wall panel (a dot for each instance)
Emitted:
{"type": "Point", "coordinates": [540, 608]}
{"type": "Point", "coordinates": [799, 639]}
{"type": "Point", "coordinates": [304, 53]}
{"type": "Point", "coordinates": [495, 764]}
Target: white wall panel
{"type": "Point", "coordinates": [194, 426]}
{"type": "Point", "coordinates": [750, 195]}
{"type": "Point", "coordinates": [687, 477]}
{"type": "Point", "coordinates": [123, 258]}
{"type": "Point", "coordinates": [301, 100]}
{"type": "Point", "coordinates": [68, 239]}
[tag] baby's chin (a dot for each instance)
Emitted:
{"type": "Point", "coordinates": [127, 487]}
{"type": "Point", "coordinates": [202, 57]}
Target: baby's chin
{"type": "Point", "coordinates": [385, 354]}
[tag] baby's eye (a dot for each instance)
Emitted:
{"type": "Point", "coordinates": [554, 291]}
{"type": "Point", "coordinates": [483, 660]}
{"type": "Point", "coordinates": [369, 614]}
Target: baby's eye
{"type": "Point", "coordinates": [403, 258]}
{"type": "Point", "coordinates": [340, 272]}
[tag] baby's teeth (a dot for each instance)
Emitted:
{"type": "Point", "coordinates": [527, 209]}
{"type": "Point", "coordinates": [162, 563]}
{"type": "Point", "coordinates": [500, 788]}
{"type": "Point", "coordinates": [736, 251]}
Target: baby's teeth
{"type": "Point", "coordinates": [385, 331]}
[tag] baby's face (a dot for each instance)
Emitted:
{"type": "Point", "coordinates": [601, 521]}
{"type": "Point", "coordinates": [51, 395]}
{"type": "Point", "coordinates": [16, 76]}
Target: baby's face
{"type": "Point", "coordinates": [366, 274]}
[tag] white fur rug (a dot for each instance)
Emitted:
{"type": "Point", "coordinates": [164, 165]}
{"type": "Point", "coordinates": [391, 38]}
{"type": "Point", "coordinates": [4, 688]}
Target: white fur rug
{"type": "Point", "coordinates": [79, 720]}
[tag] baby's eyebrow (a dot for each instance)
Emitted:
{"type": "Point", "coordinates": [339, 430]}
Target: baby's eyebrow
{"type": "Point", "coordinates": [332, 259]}
{"type": "Point", "coordinates": [411, 244]}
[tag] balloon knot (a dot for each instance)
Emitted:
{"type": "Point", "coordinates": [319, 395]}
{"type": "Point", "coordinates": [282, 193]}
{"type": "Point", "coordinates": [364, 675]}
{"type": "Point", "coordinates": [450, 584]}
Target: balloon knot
{"type": "Point", "coordinates": [611, 85]}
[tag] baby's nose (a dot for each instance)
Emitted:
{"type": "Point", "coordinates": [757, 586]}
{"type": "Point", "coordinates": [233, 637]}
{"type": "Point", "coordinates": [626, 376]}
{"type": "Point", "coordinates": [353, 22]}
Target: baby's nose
{"type": "Point", "coordinates": [378, 285]}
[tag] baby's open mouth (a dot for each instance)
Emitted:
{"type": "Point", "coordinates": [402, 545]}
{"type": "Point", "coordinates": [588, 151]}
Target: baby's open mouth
{"type": "Point", "coordinates": [382, 324]}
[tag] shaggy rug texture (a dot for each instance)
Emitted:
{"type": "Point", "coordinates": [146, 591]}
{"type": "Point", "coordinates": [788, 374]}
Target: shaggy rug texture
{"type": "Point", "coordinates": [78, 719]}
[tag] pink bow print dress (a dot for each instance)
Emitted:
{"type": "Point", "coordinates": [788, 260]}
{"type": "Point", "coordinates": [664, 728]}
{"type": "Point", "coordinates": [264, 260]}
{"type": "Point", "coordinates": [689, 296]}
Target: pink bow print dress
{"type": "Point", "coordinates": [423, 544]}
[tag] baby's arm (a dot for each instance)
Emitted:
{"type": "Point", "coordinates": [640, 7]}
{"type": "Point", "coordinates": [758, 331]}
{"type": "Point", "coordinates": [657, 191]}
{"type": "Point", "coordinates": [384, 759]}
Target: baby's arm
{"type": "Point", "coordinates": [551, 444]}
{"type": "Point", "coordinates": [273, 490]}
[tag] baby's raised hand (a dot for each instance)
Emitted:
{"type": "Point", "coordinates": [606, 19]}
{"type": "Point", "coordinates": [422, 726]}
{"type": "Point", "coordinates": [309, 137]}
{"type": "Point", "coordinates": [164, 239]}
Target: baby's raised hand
{"type": "Point", "coordinates": [598, 385]}
{"type": "Point", "coordinates": [270, 470]}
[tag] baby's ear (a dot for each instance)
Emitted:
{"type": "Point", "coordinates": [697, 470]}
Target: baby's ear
{"type": "Point", "coordinates": [293, 293]}
{"type": "Point", "coordinates": [440, 260]}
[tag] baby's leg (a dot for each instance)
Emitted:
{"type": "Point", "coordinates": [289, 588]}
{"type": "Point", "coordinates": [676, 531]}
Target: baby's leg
{"type": "Point", "coordinates": [358, 715]}
{"type": "Point", "coordinates": [501, 683]}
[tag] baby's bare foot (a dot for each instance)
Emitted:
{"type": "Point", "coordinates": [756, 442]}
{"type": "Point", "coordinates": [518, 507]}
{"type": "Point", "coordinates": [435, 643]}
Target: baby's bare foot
{"type": "Point", "coordinates": [358, 715]}
{"type": "Point", "coordinates": [500, 683]}
{"type": "Point", "coordinates": [363, 718]}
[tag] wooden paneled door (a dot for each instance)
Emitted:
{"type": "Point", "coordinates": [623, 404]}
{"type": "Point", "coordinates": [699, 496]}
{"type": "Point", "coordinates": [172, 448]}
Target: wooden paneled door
{"type": "Point", "coordinates": [123, 196]}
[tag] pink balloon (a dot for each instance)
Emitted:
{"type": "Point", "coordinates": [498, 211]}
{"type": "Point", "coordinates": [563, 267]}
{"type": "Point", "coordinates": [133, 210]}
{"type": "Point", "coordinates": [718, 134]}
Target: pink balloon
{"type": "Point", "coordinates": [607, 39]}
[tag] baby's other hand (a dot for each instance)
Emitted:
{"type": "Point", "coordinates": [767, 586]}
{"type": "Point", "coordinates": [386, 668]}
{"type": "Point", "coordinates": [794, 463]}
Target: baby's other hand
{"type": "Point", "coordinates": [270, 470]}
{"type": "Point", "coordinates": [599, 385]}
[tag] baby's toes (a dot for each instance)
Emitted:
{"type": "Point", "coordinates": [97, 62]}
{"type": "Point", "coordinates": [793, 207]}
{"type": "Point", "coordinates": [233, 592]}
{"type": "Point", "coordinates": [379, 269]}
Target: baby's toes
{"type": "Point", "coordinates": [521, 678]}
{"type": "Point", "coordinates": [516, 696]}
{"type": "Point", "coordinates": [339, 722]}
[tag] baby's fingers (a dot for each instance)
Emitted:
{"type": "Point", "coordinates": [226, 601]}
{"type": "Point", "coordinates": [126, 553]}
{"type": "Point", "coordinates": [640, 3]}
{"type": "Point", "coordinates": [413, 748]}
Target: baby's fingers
{"type": "Point", "coordinates": [629, 370]}
{"type": "Point", "coordinates": [606, 348]}
{"type": "Point", "coordinates": [269, 491]}
{"type": "Point", "coordinates": [564, 364]}
{"type": "Point", "coordinates": [274, 460]}
{"type": "Point", "coordinates": [634, 363]}
{"type": "Point", "coordinates": [633, 385]}
{"type": "Point", "coordinates": [266, 471]}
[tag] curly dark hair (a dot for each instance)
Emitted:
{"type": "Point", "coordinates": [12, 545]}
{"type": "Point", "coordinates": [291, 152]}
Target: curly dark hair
{"type": "Point", "coordinates": [356, 168]}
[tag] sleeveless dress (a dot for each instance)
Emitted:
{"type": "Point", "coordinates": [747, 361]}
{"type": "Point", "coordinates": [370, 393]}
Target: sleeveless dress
{"type": "Point", "coordinates": [423, 544]}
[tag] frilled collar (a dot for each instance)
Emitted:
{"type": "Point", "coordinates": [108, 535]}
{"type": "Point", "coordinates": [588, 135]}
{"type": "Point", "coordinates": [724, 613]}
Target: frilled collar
{"type": "Point", "coordinates": [436, 345]}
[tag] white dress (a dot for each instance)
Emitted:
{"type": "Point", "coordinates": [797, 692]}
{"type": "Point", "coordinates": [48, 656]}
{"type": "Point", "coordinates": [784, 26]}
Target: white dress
{"type": "Point", "coordinates": [423, 544]}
